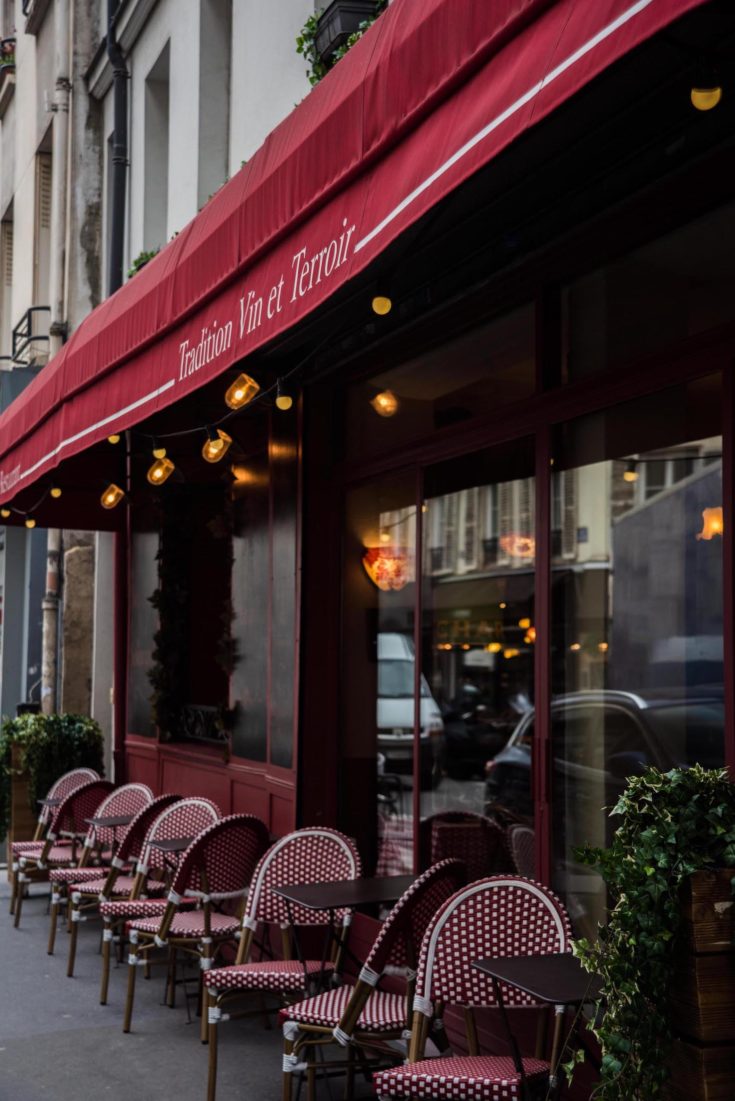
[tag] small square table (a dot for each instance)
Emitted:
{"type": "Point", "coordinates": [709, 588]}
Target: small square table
{"type": "Point", "coordinates": [110, 822]}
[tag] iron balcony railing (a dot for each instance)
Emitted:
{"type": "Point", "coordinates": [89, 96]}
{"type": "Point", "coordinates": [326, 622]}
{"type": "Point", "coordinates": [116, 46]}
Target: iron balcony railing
{"type": "Point", "coordinates": [7, 53]}
{"type": "Point", "coordinates": [31, 329]}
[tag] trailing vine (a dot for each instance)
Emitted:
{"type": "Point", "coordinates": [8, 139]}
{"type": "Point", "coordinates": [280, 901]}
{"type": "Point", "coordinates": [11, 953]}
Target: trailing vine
{"type": "Point", "coordinates": [49, 746]}
{"type": "Point", "coordinates": [671, 825]}
{"type": "Point", "coordinates": [306, 43]}
{"type": "Point", "coordinates": [141, 260]}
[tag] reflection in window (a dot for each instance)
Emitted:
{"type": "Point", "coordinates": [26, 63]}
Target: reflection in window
{"type": "Point", "coordinates": [637, 651]}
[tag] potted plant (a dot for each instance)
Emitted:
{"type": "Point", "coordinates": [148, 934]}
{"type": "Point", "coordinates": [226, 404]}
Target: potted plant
{"type": "Point", "coordinates": [34, 751]}
{"type": "Point", "coordinates": [329, 34]}
{"type": "Point", "coordinates": [675, 829]}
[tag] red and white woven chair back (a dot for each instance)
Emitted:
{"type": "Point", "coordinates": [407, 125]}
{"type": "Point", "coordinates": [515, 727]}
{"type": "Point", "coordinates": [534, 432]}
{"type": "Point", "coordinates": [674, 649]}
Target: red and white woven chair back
{"type": "Point", "coordinates": [403, 930]}
{"type": "Point", "coordinates": [492, 918]}
{"type": "Point", "coordinates": [310, 855]}
{"type": "Point", "coordinates": [70, 816]}
{"type": "Point", "coordinates": [521, 845]}
{"type": "Point", "coordinates": [131, 846]}
{"type": "Point", "coordinates": [128, 799]}
{"type": "Point", "coordinates": [221, 861]}
{"type": "Point", "coordinates": [475, 840]}
{"type": "Point", "coordinates": [187, 818]}
{"type": "Point", "coordinates": [64, 786]}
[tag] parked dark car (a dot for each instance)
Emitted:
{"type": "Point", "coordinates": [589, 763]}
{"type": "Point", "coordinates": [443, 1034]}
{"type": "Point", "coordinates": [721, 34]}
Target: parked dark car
{"type": "Point", "coordinates": [474, 732]}
{"type": "Point", "coordinates": [599, 739]}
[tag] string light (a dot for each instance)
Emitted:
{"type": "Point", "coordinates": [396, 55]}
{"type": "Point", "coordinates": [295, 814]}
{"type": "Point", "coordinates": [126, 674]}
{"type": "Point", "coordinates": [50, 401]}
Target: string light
{"type": "Point", "coordinates": [114, 438]}
{"type": "Point", "coordinates": [630, 474]}
{"type": "Point", "coordinates": [216, 445]}
{"type": "Point", "coordinates": [112, 496]}
{"type": "Point", "coordinates": [5, 513]}
{"type": "Point", "coordinates": [160, 471]}
{"type": "Point", "coordinates": [284, 400]}
{"type": "Point", "coordinates": [55, 492]}
{"type": "Point", "coordinates": [242, 391]}
{"type": "Point", "coordinates": [158, 452]}
{"type": "Point", "coordinates": [30, 522]}
{"type": "Point", "coordinates": [382, 304]}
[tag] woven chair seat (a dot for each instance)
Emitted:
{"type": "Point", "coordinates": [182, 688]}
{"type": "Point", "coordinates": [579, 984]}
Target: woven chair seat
{"type": "Point", "coordinates": [133, 908]}
{"type": "Point", "coordinates": [189, 924]}
{"type": "Point", "coordinates": [459, 1078]}
{"type": "Point", "coordinates": [383, 1012]}
{"type": "Point", "coordinates": [123, 886]}
{"type": "Point", "coordinates": [276, 975]}
{"type": "Point", "coordinates": [31, 848]}
{"type": "Point", "coordinates": [77, 875]}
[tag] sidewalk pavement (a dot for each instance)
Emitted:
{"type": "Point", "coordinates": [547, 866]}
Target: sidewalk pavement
{"type": "Point", "coordinates": [57, 1043]}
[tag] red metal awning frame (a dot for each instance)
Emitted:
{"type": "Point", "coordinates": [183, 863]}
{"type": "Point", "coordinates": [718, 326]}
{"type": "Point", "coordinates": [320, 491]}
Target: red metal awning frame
{"type": "Point", "coordinates": [431, 94]}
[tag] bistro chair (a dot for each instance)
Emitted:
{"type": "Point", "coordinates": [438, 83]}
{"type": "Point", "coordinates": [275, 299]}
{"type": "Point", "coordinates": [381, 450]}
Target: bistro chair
{"type": "Point", "coordinates": [496, 917]}
{"type": "Point", "coordinates": [183, 818]}
{"type": "Point", "coordinates": [310, 855]}
{"type": "Point", "coordinates": [68, 822]}
{"type": "Point", "coordinates": [217, 868]}
{"type": "Point", "coordinates": [117, 882]}
{"type": "Point", "coordinates": [62, 787]}
{"type": "Point", "coordinates": [477, 841]}
{"type": "Point", "coordinates": [123, 801]}
{"type": "Point", "coordinates": [521, 845]}
{"type": "Point", "coordinates": [364, 1017]}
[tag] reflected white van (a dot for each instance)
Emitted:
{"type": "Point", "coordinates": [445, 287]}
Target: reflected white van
{"type": "Point", "coordinates": [395, 711]}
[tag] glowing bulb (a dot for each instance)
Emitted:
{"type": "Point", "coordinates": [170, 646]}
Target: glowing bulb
{"type": "Point", "coordinates": [494, 647]}
{"type": "Point", "coordinates": [114, 438]}
{"type": "Point", "coordinates": [576, 646]}
{"type": "Point", "coordinates": [511, 653]}
{"type": "Point", "coordinates": [55, 492]}
{"type": "Point", "coordinates": [5, 513]}
{"type": "Point", "coordinates": [524, 623]}
{"type": "Point", "coordinates": [242, 390]}
{"type": "Point", "coordinates": [385, 404]}
{"type": "Point", "coordinates": [502, 605]}
{"type": "Point", "coordinates": [159, 452]}
{"type": "Point", "coordinates": [216, 446]}
{"type": "Point", "coordinates": [160, 471]}
{"type": "Point", "coordinates": [30, 522]}
{"type": "Point", "coordinates": [382, 304]}
{"type": "Point", "coordinates": [704, 99]}
{"type": "Point", "coordinates": [630, 474]}
{"type": "Point", "coordinates": [603, 647]}
{"type": "Point", "coordinates": [112, 496]}
{"type": "Point", "coordinates": [284, 400]}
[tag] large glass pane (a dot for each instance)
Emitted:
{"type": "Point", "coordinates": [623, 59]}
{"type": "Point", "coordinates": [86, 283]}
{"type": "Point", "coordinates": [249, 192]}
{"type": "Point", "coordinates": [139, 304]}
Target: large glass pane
{"type": "Point", "coordinates": [471, 376]}
{"type": "Point", "coordinates": [478, 639]}
{"type": "Point", "coordinates": [637, 655]}
{"type": "Point", "coordinates": [652, 298]}
{"type": "Point", "coordinates": [143, 626]}
{"type": "Point", "coordinates": [378, 680]}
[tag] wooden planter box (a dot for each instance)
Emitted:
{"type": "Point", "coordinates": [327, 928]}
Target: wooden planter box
{"type": "Point", "coordinates": [703, 992]}
{"type": "Point", "coordinates": [23, 819]}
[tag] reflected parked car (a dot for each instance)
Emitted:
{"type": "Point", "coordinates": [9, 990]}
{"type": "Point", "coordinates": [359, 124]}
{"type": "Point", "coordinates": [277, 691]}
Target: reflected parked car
{"type": "Point", "coordinates": [395, 712]}
{"type": "Point", "coordinates": [599, 739]}
{"type": "Point", "coordinates": [474, 731]}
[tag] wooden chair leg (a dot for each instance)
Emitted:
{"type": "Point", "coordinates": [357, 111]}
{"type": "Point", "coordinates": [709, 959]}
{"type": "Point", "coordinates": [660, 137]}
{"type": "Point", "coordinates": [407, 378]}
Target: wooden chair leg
{"type": "Point", "coordinates": [132, 968]}
{"type": "Point", "coordinates": [350, 1075]}
{"type": "Point", "coordinates": [75, 915]}
{"type": "Point", "coordinates": [13, 891]}
{"type": "Point", "coordinates": [203, 995]}
{"type": "Point", "coordinates": [19, 900]}
{"type": "Point", "coordinates": [213, 1038]}
{"type": "Point", "coordinates": [171, 979]}
{"type": "Point", "coordinates": [106, 953]}
{"type": "Point", "coordinates": [53, 921]}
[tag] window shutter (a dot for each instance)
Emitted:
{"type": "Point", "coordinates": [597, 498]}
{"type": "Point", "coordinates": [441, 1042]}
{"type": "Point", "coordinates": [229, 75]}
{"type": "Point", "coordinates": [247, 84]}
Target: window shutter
{"type": "Point", "coordinates": [569, 514]}
{"type": "Point", "coordinates": [505, 518]}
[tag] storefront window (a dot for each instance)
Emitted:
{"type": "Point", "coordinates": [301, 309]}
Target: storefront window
{"type": "Point", "coordinates": [472, 375]}
{"type": "Point", "coordinates": [652, 298]}
{"type": "Point", "coordinates": [379, 673]}
{"type": "Point", "coordinates": [478, 636]}
{"type": "Point", "coordinates": [637, 651]}
{"type": "Point", "coordinates": [143, 626]}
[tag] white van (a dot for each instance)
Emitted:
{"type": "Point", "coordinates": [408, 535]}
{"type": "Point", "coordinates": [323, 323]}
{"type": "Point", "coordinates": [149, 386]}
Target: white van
{"type": "Point", "coordinates": [395, 711]}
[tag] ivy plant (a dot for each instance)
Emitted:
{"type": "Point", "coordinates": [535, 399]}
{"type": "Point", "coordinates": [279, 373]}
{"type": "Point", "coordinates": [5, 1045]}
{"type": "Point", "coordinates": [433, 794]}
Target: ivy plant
{"type": "Point", "coordinates": [670, 825]}
{"type": "Point", "coordinates": [49, 746]}
{"type": "Point", "coordinates": [306, 43]}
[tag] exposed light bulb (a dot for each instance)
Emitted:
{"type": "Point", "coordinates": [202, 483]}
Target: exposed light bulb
{"type": "Point", "coordinates": [30, 522]}
{"type": "Point", "coordinates": [704, 99]}
{"type": "Point", "coordinates": [160, 471]}
{"type": "Point", "coordinates": [55, 492]}
{"type": "Point", "coordinates": [630, 474]}
{"type": "Point", "coordinates": [382, 304]}
{"type": "Point", "coordinates": [114, 438]}
{"type": "Point", "coordinates": [112, 496]}
{"type": "Point", "coordinates": [284, 400]}
{"type": "Point", "coordinates": [158, 452]}
{"type": "Point", "coordinates": [216, 445]}
{"type": "Point", "coordinates": [5, 513]}
{"type": "Point", "coordinates": [242, 391]}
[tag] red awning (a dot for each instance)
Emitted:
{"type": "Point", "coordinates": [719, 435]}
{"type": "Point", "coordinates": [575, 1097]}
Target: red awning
{"type": "Point", "coordinates": [431, 94]}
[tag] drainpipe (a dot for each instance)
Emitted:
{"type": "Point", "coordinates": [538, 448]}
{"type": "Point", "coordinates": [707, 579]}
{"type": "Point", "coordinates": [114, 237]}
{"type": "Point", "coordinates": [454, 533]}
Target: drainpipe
{"type": "Point", "coordinates": [119, 149]}
{"type": "Point", "coordinates": [58, 327]}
